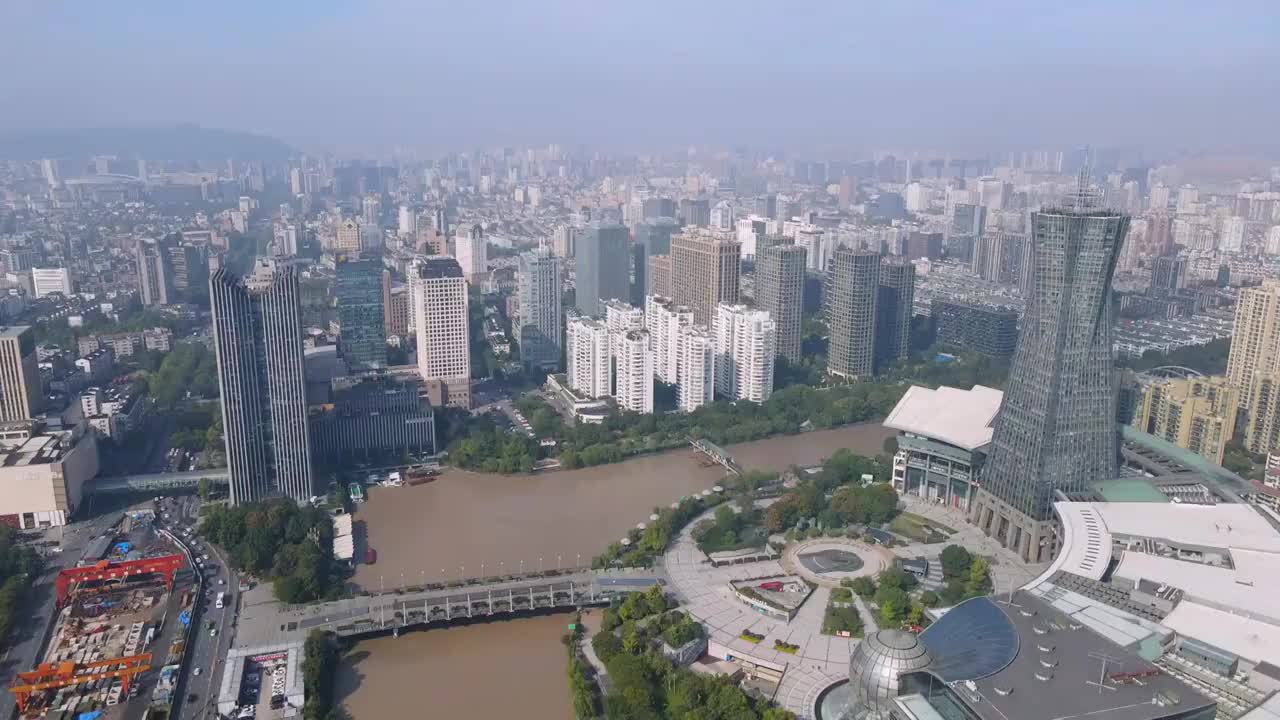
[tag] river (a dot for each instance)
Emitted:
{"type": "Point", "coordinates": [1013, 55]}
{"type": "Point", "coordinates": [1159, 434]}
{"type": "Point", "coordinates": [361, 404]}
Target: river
{"type": "Point", "coordinates": [463, 520]}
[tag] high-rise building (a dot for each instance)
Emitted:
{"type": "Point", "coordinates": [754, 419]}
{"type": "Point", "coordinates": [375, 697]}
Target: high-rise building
{"type": "Point", "coordinates": [358, 287]}
{"type": "Point", "coordinates": [408, 221]}
{"type": "Point", "coordinates": [634, 364]}
{"type": "Point", "coordinates": [257, 332]}
{"type": "Point", "coordinates": [695, 378]}
{"type": "Point", "coordinates": [603, 267]}
{"type": "Point", "coordinates": [370, 210]}
{"type": "Point", "coordinates": [967, 223]}
{"type": "Point", "coordinates": [894, 310]}
{"type": "Point", "coordinates": [851, 292]}
{"type": "Point", "coordinates": [1198, 414]}
{"type": "Point", "coordinates": [1255, 338]}
{"type": "Point", "coordinates": [658, 276]}
{"type": "Point", "coordinates": [780, 272]}
{"type": "Point", "coordinates": [696, 213]}
{"type": "Point", "coordinates": [985, 329]}
{"type": "Point", "coordinates": [1168, 275]}
{"type": "Point", "coordinates": [746, 346]}
{"type": "Point", "coordinates": [998, 255]}
{"type": "Point", "coordinates": [541, 326]}
{"type": "Point", "coordinates": [705, 271]}
{"type": "Point", "coordinates": [348, 237]}
{"type": "Point", "coordinates": [564, 241]}
{"type": "Point", "coordinates": [21, 395]}
{"type": "Point", "coordinates": [653, 237]}
{"type": "Point", "coordinates": [471, 248]}
{"type": "Point", "coordinates": [441, 317]}
{"type": "Point", "coordinates": [396, 310]}
{"type": "Point", "coordinates": [815, 247]}
{"type": "Point", "coordinates": [588, 351]}
{"type": "Point", "coordinates": [155, 274]}
{"type": "Point", "coordinates": [1057, 425]}
{"type": "Point", "coordinates": [1262, 431]}
{"type": "Point", "coordinates": [664, 320]}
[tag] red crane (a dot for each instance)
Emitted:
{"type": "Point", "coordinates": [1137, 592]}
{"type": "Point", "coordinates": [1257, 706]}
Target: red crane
{"type": "Point", "coordinates": [166, 565]}
{"type": "Point", "coordinates": [50, 676]}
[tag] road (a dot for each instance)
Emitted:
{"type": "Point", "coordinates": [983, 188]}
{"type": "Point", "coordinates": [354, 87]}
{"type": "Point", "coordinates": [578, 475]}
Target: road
{"type": "Point", "coordinates": [203, 651]}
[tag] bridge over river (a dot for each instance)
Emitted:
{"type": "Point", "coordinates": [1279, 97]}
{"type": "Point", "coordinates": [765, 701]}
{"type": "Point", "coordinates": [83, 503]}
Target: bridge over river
{"type": "Point", "coordinates": [264, 623]}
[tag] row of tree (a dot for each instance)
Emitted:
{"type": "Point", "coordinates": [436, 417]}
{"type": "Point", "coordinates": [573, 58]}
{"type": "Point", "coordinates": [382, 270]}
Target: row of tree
{"type": "Point", "coordinates": [279, 540]}
{"type": "Point", "coordinates": [319, 668]}
{"type": "Point", "coordinates": [19, 566]}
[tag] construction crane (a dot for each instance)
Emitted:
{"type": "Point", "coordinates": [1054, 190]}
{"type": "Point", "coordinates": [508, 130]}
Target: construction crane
{"type": "Point", "coordinates": [51, 676]}
{"type": "Point", "coordinates": [167, 565]}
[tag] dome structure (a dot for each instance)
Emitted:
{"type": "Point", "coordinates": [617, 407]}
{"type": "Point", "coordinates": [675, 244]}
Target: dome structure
{"type": "Point", "coordinates": [876, 665]}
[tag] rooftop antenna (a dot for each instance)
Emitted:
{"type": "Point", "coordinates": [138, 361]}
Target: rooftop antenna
{"type": "Point", "coordinates": [1084, 198]}
{"type": "Point", "coordinates": [1102, 675]}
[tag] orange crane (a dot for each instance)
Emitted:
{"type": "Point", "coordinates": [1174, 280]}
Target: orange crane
{"type": "Point", "coordinates": [167, 566]}
{"type": "Point", "coordinates": [50, 676]}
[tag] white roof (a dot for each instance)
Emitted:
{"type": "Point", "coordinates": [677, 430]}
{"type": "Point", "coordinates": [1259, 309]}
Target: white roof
{"type": "Point", "coordinates": [1247, 638]}
{"type": "Point", "coordinates": [1225, 525]}
{"type": "Point", "coordinates": [957, 417]}
{"type": "Point", "coordinates": [1251, 587]}
{"type": "Point", "coordinates": [1086, 543]}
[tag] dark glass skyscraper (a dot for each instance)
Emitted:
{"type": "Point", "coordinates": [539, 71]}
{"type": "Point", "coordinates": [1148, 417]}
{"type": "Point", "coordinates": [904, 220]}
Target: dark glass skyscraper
{"type": "Point", "coordinates": [257, 331]}
{"type": "Point", "coordinates": [358, 288]}
{"type": "Point", "coordinates": [1056, 429]}
{"type": "Point", "coordinates": [894, 308]}
{"type": "Point", "coordinates": [604, 267]}
{"type": "Point", "coordinates": [780, 272]}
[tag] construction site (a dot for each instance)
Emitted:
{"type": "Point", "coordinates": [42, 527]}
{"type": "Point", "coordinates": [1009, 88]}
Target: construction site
{"type": "Point", "coordinates": [116, 645]}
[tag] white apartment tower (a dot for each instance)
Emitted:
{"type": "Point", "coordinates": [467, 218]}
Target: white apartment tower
{"type": "Point", "coordinates": [664, 321]}
{"type": "Point", "coordinates": [408, 225]}
{"type": "Point", "coordinates": [635, 371]}
{"type": "Point", "coordinates": [471, 249]}
{"type": "Point", "coordinates": [746, 342]}
{"type": "Point", "coordinates": [696, 381]}
{"type": "Point", "coordinates": [587, 355]}
{"type": "Point", "coordinates": [440, 323]}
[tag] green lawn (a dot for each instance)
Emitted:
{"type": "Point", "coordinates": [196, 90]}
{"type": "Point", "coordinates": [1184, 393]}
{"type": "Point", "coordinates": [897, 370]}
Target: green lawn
{"type": "Point", "coordinates": [919, 528]}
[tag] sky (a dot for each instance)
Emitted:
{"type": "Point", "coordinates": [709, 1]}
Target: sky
{"type": "Point", "coordinates": [656, 74]}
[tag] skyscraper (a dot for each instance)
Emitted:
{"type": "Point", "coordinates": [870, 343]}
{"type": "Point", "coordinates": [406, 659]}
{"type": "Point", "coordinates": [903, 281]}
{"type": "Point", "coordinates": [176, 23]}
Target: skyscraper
{"type": "Point", "coordinates": [541, 327]}
{"type": "Point", "coordinates": [155, 272]}
{"type": "Point", "coordinates": [472, 250]}
{"type": "Point", "coordinates": [894, 310]}
{"type": "Point", "coordinates": [1168, 274]}
{"type": "Point", "coordinates": [257, 332]}
{"type": "Point", "coordinates": [780, 273]}
{"type": "Point", "coordinates": [696, 368]}
{"type": "Point", "coordinates": [21, 395]}
{"type": "Point", "coordinates": [348, 237]}
{"type": "Point", "coordinates": [587, 356]}
{"type": "Point", "coordinates": [1198, 413]}
{"type": "Point", "coordinates": [358, 286]}
{"type": "Point", "coordinates": [441, 319]}
{"type": "Point", "coordinates": [850, 295]}
{"type": "Point", "coordinates": [705, 269]}
{"type": "Point", "coordinates": [634, 364]}
{"type": "Point", "coordinates": [658, 276]}
{"type": "Point", "coordinates": [746, 346]}
{"type": "Point", "coordinates": [603, 267]}
{"type": "Point", "coordinates": [653, 237]}
{"type": "Point", "coordinates": [664, 320]}
{"type": "Point", "coordinates": [1056, 429]}
{"type": "Point", "coordinates": [1253, 367]}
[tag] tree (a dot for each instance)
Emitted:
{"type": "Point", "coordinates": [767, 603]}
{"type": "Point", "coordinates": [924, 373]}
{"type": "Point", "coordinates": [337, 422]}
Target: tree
{"type": "Point", "coordinates": [955, 561]}
{"type": "Point", "coordinates": [203, 489]}
{"type": "Point", "coordinates": [979, 581]}
{"type": "Point", "coordinates": [863, 586]}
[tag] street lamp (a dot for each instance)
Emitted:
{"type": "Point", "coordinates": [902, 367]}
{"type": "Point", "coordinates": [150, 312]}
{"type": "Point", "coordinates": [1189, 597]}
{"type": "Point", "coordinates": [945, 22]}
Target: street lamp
{"type": "Point", "coordinates": [557, 563]}
{"type": "Point", "coordinates": [521, 567]}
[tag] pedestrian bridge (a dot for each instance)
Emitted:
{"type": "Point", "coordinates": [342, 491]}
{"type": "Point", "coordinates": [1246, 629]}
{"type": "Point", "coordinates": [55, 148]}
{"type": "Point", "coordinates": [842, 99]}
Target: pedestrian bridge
{"type": "Point", "coordinates": [156, 482]}
{"type": "Point", "coordinates": [716, 453]}
{"type": "Point", "coordinates": [394, 610]}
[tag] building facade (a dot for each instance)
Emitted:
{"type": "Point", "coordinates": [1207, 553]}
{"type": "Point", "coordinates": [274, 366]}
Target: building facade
{"type": "Point", "coordinates": [780, 273]}
{"type": "Point", "coordinates": [257, 331]}
{"type": "Point", "coordinates": [155, 275]}
{"type": "Point", "coordinates": [696, 369]}
{"type": "Point", "coordinates": [634, 362]}
{"type": "Point", "coordinates": [541, 323]}
{"type": "Point", "coordinates": [441, 308]}
{"type": "Point", "coordinates": [374, 416]}
{"type": "Point", "coordinates": [471, 248]}
{"type": "Point", "coordinates": [665, 320]}
{"type": "Point", "coordinates": [746, 346]}
{"type": "Point", "coordinates": [1198, 414]}
{"type": "Point", "coordinates": [358, 287]}
{"type": "Point", "coordinates": [588, 356]}
{"type": "Point", "coordinates": [705, 272]}
{"type": "Point", "coordinates": [985, 329]}
{"type": "Point", "coordinates": [1255, 339]}
{"type": "Point", "coordinates": [850, 296]}
{"type": "Point", "coordinates": [602, 268]}
{"type": "Point", "coordinates": [1057, 425]}
{"type": "Point", "coordinates": [658, 276]}
{"type": "Point", "coordinates": [21, 393]}
{"type": "Point", "coordinates": [894, 303]}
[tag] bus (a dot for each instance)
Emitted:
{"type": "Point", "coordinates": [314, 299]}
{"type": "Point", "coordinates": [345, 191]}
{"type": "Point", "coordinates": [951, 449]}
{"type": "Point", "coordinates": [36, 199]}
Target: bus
{"type": "Point", "coordinates": [221, 601]}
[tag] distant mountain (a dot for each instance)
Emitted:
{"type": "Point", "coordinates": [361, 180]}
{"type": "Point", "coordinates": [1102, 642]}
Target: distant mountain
{"type": "Point", "coordinates": [184, 142]}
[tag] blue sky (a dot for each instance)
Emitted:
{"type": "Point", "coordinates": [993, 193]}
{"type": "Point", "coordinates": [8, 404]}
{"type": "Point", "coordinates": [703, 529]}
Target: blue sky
{"type": "Point", "coordinates": [808, 73]}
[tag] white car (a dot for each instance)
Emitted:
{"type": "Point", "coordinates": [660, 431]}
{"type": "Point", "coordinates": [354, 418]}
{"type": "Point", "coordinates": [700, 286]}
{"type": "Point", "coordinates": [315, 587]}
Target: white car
{"type": "Point", "coordinates": [196, 672]}
{"type": "Point", "coordinates": [213, 632]}
{"type": "Point", "coordinates": [206, 557]}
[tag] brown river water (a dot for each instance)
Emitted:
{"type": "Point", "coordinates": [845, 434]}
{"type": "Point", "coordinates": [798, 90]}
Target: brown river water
{"type": "Point", "coordinates": [463, 520]}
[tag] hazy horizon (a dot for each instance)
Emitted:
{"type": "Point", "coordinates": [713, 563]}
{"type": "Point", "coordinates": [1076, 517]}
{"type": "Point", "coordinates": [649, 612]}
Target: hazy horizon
{"type": "Point", "coordinates": [380, 75]}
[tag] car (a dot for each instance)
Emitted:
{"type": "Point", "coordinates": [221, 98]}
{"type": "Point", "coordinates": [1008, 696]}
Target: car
{"type": "Point", "coordinates": [206, 557]}
{"type": "Point", "coordinates": [221, 581]}
{"type": "Point", "coordinates": [192, 697]}
{"type": "Point", "coordinates": [196, 672]}
{"type": "Point", "coordinates": [213, 632]}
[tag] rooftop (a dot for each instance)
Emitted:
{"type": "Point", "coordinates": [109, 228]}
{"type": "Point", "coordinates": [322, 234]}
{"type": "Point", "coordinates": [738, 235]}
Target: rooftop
{"type": "Point", "coordinates": [958, 417]}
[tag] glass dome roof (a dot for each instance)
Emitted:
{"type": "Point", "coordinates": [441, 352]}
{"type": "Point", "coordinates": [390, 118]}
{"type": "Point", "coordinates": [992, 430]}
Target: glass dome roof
{"type": "Point", "coordinates": [876, 665]}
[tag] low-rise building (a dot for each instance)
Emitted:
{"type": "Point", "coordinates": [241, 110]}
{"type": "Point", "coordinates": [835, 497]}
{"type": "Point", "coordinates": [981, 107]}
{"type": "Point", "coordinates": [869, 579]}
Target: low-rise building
{"type": "Point", "coordinates": [97, 365]}
{"type": "Point", "coordinates": [43, 474]}
{"type": "Point", "coordinates": [942, 441]}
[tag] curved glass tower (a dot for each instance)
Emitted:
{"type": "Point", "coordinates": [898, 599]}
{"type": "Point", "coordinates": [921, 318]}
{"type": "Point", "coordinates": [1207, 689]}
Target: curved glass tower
{"type": "Point", "coordinates": [1056, 429]}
